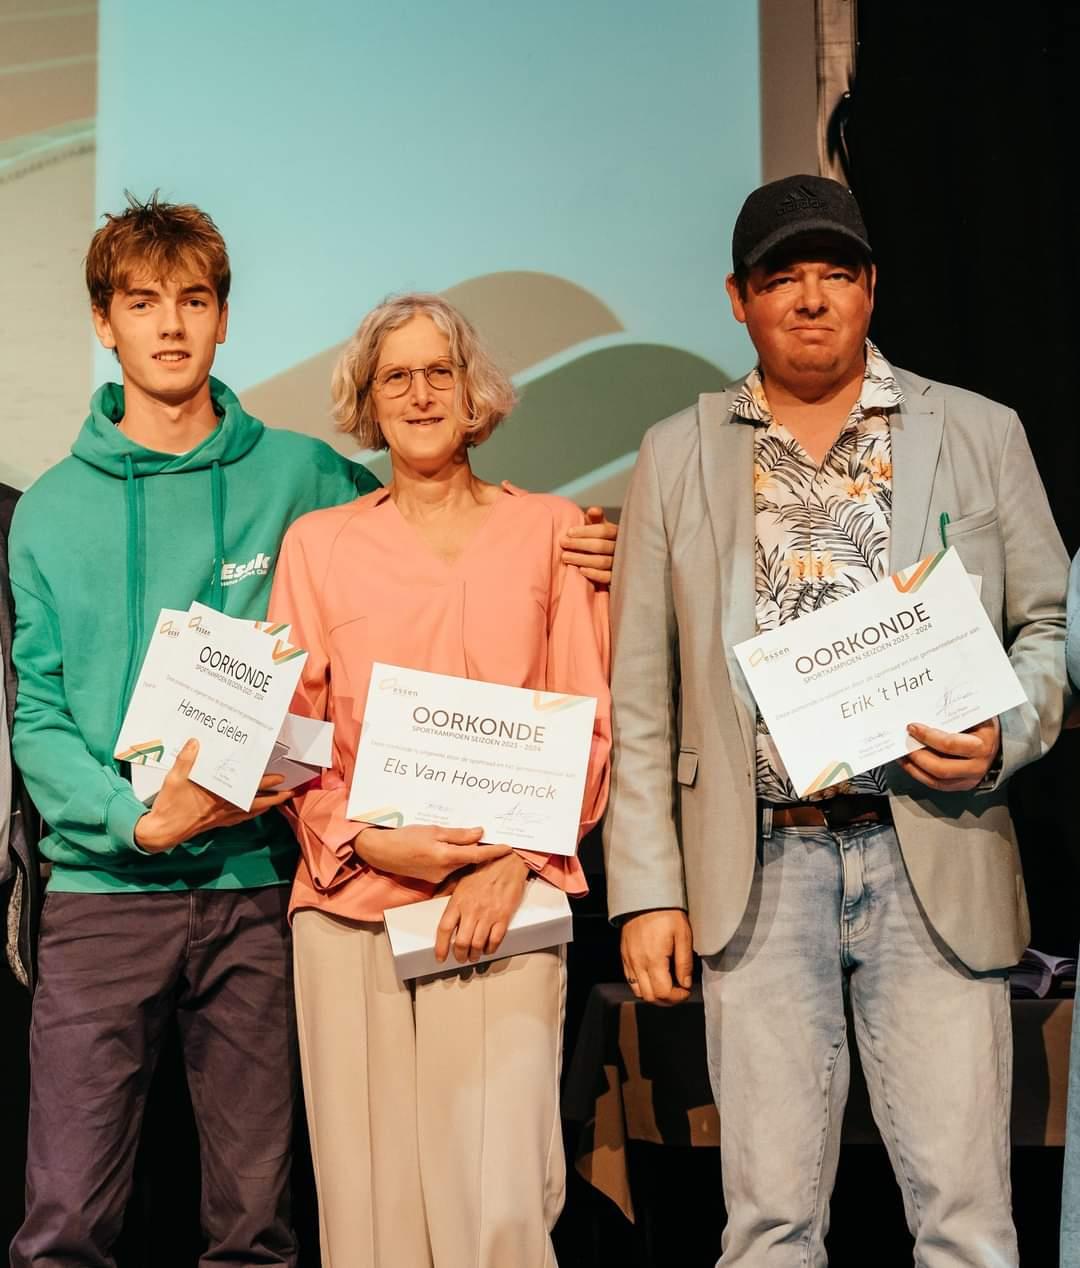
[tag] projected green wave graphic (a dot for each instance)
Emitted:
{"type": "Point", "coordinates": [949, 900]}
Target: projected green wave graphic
{"type": "Point", "coordinates": [578, 424]}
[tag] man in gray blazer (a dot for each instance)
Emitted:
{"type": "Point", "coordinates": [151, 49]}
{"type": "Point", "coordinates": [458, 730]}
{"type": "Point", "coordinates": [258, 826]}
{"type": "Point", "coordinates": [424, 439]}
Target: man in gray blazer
{"type": "Point", "coordinates": [816, 476]}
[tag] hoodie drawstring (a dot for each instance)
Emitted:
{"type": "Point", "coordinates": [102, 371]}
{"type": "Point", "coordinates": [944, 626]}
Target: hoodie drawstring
{"type": "Point", "coordinates": [132, 592]}
{"type": "Point", "coordinates": [217, 502]}
{"type": "Point", "coordinates": [133, 579]}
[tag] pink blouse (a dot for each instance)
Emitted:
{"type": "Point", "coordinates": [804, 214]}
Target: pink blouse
{"type": "Point", "coordinates": [359, 584]}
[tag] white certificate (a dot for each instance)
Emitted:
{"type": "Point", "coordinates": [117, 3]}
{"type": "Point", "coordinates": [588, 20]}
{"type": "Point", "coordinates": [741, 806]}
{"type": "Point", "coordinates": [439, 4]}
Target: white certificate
{"type": "Point", "coordinates": [838, 687]}
{"type": "Point", "coordinates": [226, 682]}
{"type": "Point", "coordinates": [463, 754]}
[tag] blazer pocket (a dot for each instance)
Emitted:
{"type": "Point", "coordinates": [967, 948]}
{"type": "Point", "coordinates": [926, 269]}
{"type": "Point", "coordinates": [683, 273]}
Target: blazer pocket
{"type": "Point", "coordinates": [686, 767]}
{"type": "Point", "coordinates": [977, 539]}
{"type": "Point", "coordinates": [970, 523]}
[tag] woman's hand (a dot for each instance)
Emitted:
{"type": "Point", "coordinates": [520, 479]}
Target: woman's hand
{"type": "Point", "coordinates": [480, 909]}
{"type": "Point", "coordinates": [182, 809]}
{"type": "Point", "coordinates": [425, 852]}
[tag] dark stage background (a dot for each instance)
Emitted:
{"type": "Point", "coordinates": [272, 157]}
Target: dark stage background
{"type": "Point", "coordinates": [961, 143]}
{"type": "Point", "coordinates": [963, 154]}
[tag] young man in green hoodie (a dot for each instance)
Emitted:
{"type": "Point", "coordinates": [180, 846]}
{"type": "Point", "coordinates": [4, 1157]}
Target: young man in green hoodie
{"type": "Point", "coordinates": [172, 493]}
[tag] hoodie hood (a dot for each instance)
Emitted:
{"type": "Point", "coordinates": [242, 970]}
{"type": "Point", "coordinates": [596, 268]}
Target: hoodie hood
{"type": "Point", "coordinates": [101, 444]}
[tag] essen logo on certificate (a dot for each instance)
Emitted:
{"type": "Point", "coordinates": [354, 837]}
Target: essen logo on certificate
{"type": "Point", "coordinates": [838, 687]}
{"type": "Point", "coordinates": [450, 751]}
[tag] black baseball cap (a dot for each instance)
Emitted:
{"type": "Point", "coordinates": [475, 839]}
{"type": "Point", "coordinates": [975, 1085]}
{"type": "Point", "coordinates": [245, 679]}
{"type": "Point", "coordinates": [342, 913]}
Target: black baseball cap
{"type": "Point", "coordinates": [795, 205]}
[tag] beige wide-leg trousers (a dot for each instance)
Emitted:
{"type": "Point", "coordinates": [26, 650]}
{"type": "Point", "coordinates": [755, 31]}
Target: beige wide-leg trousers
{"type": "Point", "coordinates": [433, 1109]}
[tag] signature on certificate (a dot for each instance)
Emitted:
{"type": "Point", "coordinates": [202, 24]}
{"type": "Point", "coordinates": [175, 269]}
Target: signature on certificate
{"type": "Point", "coordinates": [226, 771]}
{"type": "Point", "coordinates": [953, 701]}
{"type": "Point", "coordinates": [519, 816]}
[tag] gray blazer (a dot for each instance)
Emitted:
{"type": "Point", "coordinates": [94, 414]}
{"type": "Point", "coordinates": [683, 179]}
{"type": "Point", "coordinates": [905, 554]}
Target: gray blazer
{"type": "Point", "coordinates": [682, 823]}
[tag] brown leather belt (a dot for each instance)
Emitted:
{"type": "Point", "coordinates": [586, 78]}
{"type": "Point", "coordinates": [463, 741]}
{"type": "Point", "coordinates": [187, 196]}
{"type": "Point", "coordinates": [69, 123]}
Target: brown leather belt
{"type": "Point", "coordinates": [847, 810]}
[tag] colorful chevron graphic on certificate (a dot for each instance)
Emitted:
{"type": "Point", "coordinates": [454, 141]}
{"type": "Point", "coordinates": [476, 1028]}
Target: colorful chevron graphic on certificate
{"type": "Point", "coordinates": [147, 751]}
{"type": "Point", "coordinates": [833, 773]}
{"type": "Point", "coordinates": [545, 702]}
{"type": "Point", "coordinates": [381, 816]}
{"type": "Point", "coordinates": [912, 579]}
{"type": "Point", "coordinates": [284, 652]}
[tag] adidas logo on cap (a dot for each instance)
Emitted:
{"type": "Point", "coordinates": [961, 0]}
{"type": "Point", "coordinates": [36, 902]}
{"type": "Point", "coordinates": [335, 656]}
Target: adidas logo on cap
{"type": "Point", "coordinates": [801, 199]}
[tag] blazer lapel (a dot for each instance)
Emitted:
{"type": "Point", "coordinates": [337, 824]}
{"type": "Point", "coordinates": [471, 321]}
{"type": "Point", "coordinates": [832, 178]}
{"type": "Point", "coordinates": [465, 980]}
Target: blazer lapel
{"type": "Point", "coordinates": [915, 431]}
{"type": "Point", "coordinates": [727, 461]}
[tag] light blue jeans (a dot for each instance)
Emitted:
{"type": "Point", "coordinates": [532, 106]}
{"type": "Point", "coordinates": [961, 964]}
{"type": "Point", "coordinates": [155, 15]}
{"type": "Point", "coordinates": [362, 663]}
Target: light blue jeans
{"type": "Point", "coordinates": [834, 912]}
{"type": "Point", "coordinates": [1070, 1189]}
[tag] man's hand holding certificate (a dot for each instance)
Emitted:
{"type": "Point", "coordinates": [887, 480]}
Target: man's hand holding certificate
{"type": "Point", "coordinates": [228, 684]}
{"type": "Point", "coordinates": [840, 687]}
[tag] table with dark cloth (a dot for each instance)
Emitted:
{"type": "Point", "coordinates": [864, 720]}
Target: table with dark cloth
{"type": "Point", "coordinates": [638, 1073]}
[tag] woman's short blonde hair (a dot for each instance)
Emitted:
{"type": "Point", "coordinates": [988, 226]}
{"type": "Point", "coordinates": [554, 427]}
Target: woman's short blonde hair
{"type": "Point", "coordinates": [483, 394]}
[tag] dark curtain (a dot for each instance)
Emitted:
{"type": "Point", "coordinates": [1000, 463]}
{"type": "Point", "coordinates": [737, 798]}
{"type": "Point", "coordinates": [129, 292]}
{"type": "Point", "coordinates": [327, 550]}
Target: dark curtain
{"type": "Point", "coordinates": [962, 149]}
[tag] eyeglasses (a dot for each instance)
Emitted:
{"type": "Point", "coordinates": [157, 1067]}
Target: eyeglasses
{"type": "Point", "coordinates": [395, 380]}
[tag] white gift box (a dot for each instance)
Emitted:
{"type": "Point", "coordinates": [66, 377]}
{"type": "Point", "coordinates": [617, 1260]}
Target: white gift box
{"type": "Point", "coordinates": [543, 920]}
{"type": "Point", "coordinates": [304, 749]}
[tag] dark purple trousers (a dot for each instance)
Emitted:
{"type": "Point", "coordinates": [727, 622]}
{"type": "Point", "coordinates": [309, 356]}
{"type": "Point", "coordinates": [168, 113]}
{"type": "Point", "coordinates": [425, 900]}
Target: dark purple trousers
{"type": "Point", "coordinates": [113, 970]}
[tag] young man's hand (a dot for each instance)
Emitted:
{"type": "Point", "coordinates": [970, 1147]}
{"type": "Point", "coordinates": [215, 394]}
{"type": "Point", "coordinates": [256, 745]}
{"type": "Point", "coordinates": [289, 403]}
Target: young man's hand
{"type": "Point", "coordinates": [425, 852]}
{"type": "Point", "coordinates": [953, 761]}
{"type": "Point", "coordinates": [591, 546]}
{"type": "Point", "coordinates": [654, 943]}
{"type": "Point", "coordinates": [481, 907]}
{"type": "Point", "coordinates": [182, 809]}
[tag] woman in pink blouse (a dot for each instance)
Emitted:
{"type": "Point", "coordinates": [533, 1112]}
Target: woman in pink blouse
{"type": "Point", "coordinates": [433, 1106]}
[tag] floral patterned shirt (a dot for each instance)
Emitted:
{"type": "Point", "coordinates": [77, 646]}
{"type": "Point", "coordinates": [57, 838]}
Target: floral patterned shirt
{"type": "Point", "coordinates": [820, 532]}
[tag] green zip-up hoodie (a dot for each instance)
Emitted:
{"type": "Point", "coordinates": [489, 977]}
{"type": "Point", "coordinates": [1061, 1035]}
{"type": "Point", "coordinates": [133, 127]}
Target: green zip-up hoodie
{"type": "Point", "coordinates": [99, 544]}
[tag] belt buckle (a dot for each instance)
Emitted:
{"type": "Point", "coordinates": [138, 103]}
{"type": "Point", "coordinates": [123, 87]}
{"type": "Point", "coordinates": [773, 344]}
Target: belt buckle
{"type": "Point", "coordinates": [829, 806]}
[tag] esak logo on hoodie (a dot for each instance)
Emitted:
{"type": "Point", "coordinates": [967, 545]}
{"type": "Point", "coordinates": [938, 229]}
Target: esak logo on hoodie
{"type": "Point", "coordinates": [257, 567]}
